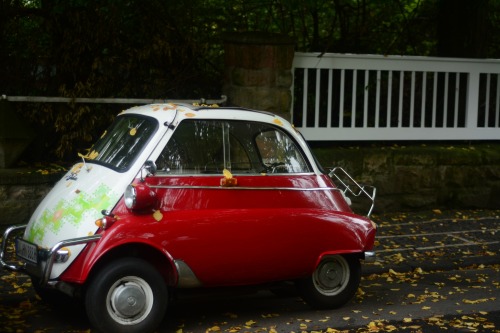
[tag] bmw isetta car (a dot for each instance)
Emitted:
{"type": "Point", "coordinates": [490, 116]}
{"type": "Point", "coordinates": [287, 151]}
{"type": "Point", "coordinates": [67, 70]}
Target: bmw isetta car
{"type": "Point", "coordinates": [181, 196]}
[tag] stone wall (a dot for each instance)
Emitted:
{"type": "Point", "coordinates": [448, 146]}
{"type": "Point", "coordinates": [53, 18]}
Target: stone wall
{"type": "Point", "coordinates": [20, 193]}
{"type": "Point", "coordinates": [407, 178]}
{"type": "Point", "coordinates": [425, 176]}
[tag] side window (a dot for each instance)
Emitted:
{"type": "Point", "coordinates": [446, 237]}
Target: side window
{"type": "Point", "coordinates": [210, 146]}
{"type": "Point", "coordinates": [195, 147]}
{"type": "Point", "coordinates": [279, 153]}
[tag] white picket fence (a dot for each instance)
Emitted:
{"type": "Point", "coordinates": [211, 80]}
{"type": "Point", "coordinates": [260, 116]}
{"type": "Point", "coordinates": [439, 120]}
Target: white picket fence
{"type": "Point", "coordinates": [372, 97]}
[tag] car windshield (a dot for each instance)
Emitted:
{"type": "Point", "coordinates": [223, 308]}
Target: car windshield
{"type": "Point", "coordinates": [123, 141]}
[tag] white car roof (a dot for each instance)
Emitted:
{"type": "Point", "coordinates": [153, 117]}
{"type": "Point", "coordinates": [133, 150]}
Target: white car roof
{"type": "Point", "coordinates": [165, 112]}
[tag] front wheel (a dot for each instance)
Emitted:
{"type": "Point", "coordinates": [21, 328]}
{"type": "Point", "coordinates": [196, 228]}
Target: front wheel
{"type": "Point", "coordinates": [128, 295]}
{"type": "Point", "coordinates": [333, 283]}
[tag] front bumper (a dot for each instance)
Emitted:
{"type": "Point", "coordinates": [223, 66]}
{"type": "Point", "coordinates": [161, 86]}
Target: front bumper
{"type": "Point", "coordinates": [370, 256]}
{"type": "Point", "coordinates": [43, 268]}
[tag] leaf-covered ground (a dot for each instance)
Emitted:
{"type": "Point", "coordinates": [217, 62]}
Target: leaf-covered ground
{"type": "Point", "coordinates": [436, 271]}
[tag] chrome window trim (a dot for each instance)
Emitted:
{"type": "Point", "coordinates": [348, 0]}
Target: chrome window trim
{"type": "Point", "coordinates": [263, 174]}
{"type": "Point", "coordinates": [246, 188]}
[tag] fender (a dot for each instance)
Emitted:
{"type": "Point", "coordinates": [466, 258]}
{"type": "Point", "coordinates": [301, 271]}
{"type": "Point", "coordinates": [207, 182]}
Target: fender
{"type": "Point", "coordinates": [128, 233]}
{"type": "Point", "coordinates": [354, 226]}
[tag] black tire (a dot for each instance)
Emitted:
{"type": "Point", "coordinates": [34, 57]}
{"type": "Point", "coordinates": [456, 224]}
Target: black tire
{"type": "Point", "coordinates": [52, 297]}
{"type": "Point", "coordinates": [333, 283]}
{"type": "Point", "coordinates": [128, 295]}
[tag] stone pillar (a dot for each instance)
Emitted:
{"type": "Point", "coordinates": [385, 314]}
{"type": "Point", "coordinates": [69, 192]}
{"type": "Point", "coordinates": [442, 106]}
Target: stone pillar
{"type": "Point", "coordinates": [258, 71]}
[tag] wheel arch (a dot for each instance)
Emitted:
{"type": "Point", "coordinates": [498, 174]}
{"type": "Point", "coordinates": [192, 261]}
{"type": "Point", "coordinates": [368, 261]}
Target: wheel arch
{"type": "Point", "coordinates": [160, 260]}
{"type": "Point", "coordinates": [332, 282]}
{"type": "Point", "coordinates": [356, 254]}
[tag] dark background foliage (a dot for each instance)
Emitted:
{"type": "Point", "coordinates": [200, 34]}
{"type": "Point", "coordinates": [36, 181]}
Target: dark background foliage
{"type": "Point", "coordinates": [163, 49]}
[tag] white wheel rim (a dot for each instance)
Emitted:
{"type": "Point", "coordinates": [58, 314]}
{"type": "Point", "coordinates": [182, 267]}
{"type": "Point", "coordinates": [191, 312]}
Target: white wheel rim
{"type": "Point", "coordinates": [331, 276]}
{"type": "Point", "coordinates": [129, 300]}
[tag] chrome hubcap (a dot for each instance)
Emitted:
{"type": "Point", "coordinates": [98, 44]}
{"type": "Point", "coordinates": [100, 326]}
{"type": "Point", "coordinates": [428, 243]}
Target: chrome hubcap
{"type": "Point", "coordinates": [332, 276]}
{"type": "Point", "coordinates": [128, 299]}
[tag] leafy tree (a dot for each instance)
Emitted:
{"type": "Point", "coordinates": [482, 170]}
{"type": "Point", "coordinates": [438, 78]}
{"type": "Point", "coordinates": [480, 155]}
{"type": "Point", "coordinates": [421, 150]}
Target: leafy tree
{"type": "Point", "coordinates": [174, 49]}
{"type": "Point", "coordinates": [463, 28]}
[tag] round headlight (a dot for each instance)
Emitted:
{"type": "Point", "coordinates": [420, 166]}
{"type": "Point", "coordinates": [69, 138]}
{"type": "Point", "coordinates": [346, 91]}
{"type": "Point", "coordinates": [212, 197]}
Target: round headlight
{"type": "Point", "coordinates": [139, 197]}
{"type": "Point", "coordinates": [130, 197]}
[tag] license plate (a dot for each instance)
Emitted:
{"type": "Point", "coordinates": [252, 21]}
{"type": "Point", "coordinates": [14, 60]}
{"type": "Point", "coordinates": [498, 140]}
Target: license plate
{"type": "Point", "coordinates": [26, 250]}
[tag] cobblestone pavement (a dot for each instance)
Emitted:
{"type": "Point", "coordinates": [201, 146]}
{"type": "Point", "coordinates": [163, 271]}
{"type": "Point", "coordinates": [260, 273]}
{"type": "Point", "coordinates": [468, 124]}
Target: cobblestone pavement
{"type": "Point", "coordinates": [436, 240]}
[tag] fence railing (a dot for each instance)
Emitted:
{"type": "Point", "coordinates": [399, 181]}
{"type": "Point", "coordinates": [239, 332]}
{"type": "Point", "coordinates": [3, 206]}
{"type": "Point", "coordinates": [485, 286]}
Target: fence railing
{"type": "Point", "coordinates": [370, 97]}
{"type": "Point", "coordinates": [44, 99]}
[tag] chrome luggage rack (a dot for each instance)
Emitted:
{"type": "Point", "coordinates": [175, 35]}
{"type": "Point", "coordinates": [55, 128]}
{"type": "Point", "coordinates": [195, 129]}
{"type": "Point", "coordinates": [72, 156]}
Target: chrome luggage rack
{"type": "Point", "coordinates": [349, 186]}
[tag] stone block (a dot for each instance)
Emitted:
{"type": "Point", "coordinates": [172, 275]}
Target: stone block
{"type": "Point", "coordinates": [350, 160]}
{"type": "Point", "coordinates": [416, 156]}
{"type": "Point", "coordinates": [284, 79]}
{"type": "Point", "coordinates": [416, 178]}
{"type": "Point", "coordinates": [253, 77]}
{"type": "Point", "coordinates": [385, 185]}
{"type": "Point", "coordinates": [376, 162]}
{"type": "Point", "coordinates": [478, 197]}
{"type": "Point", "coordinates": [494, 200]}
{"type": "Point", "coordinates": [454, 176]}
{"type": "Point", "coordinates": [256, 50]}
{"type": "Point", "coordinates": [423, 200]}
{"type": "Point", "coordinates": [460, 155]}
{"type": "Point", "coordinates": [490, 154]}
{"type": "Point", "coordinates": [3, 192]}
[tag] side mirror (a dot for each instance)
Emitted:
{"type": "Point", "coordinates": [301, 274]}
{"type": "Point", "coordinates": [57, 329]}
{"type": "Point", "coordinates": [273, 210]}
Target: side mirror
{"type": "Point", "coordinates": [150, 168]}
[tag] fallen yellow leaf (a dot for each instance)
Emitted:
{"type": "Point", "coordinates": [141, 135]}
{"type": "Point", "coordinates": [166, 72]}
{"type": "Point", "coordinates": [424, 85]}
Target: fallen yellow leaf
{"type": "Point", "coordinates": [158, 216]}
{"type": "Point", "coordinates": [250, 323]}
{"type": "Point", "coordinates": [227, 174]}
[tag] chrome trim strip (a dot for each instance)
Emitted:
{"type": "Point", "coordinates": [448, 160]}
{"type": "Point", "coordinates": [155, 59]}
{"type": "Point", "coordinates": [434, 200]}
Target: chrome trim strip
{"type": "Point", "coordinates": [164, 174]}
{"type": "Point", "coordinates": [247, 188]}
{"type": "Point", "coordinates": [187, 278]}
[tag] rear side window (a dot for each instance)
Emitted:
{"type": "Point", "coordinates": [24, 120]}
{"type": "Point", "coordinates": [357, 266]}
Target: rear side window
{"type": "Point", "coordinates": [210, 146]}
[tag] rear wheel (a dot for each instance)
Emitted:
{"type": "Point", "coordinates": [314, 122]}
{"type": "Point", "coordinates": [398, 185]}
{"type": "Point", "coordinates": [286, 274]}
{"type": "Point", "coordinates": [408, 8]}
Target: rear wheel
{"type": "Point", "coordinates": [333, 283]}
{"type": "Point", "coordinates": [128, 295]}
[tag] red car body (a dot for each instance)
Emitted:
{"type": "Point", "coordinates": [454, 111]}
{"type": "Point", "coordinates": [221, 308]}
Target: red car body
{"type": "Point", "coordinates": [233, 197]}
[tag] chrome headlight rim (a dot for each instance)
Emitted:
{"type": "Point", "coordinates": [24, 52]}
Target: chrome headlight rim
{"type": "Point", "coordinates": [130, 197]}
